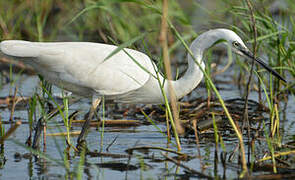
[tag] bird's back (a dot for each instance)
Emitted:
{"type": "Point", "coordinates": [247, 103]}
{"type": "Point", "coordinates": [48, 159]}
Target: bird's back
{"type": "Point", "coordinates": [84, 64]}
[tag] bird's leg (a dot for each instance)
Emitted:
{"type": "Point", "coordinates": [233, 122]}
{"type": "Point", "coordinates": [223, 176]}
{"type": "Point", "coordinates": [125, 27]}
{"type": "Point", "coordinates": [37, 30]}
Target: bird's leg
{"type": "Point", "coordinates": [81, 138]}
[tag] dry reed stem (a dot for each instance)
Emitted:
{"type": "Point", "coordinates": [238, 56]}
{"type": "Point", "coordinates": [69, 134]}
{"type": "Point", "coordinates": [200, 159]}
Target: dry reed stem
{"type": "Point", "coordinates": [64, 133]}
{"type": "Point", "coordinates": [111, 122]}
{"type": "Point", "coordinates": [164, 43]}
{"type": "Point", "coordinates": [273, 176]}
{"type": "Point", "coordinates": [277, 155]}
{"type": "Point", "coordinates": [246, 118]}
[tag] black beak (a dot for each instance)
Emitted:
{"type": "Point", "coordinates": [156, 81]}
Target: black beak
{"type": "Point", "coordinates": [248, 54]}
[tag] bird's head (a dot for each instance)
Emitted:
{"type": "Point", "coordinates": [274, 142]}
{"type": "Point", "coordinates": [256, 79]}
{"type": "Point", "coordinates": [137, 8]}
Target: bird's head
{"type": "Point", "coordinates": [241, 49]}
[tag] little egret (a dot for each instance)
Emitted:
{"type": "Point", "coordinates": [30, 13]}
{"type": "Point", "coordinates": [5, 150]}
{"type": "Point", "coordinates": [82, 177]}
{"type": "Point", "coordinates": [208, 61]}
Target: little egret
{"type": "Point", "coordinates": [128, 76]}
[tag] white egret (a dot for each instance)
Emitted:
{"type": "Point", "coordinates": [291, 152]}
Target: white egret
{"type": "Point", "coordinates": [82, 68]}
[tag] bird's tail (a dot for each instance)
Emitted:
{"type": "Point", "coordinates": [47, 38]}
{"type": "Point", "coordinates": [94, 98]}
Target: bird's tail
{"type": "Point", "coordinates": [18, 48]}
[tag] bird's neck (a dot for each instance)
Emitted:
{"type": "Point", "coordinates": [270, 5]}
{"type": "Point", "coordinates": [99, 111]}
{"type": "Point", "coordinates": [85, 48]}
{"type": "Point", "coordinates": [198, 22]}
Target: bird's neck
{"type": "Point", "coordinates": [189, 80]}
{"type": "Point", "coordinates": [193, 75]}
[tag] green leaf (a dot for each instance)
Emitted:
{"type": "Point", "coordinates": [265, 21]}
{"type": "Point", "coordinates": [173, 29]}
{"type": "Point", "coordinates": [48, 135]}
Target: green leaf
{"type": "Point", "coordinates": [96, 5]}
{"type": "Point", "coordinates": [125, 44]}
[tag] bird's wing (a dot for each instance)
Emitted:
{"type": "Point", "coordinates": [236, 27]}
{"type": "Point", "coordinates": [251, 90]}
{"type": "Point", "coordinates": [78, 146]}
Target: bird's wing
{"type": "Point", "coordinates": [118, 74]}
{"type": "Point", "coordinates": [85, 64]}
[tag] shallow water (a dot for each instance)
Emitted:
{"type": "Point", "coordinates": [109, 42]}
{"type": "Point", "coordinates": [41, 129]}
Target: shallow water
{"type": "Point", "coordinates": [21, 167]}
{"type": "Point", "coordinates": [150, 164]}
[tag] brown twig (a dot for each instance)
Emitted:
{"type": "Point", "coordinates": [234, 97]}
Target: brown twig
{"type": "Point", "coordinates": [201, 175]}
{"type": "Point", "coordinates": [246, 118]}
{"type": "Point", "coordinates": [10, 131]}
{"type": "Point", "coordinates": [273, 176]}
{"type": "Point", "coordinates": [197, 142]}
{"type": "Point", "coordinates": [44, 138]}
{"type": "Point", "coordinates": [130, 150]}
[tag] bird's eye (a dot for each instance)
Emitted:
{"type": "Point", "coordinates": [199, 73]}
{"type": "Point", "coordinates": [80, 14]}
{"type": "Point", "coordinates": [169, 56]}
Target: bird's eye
{"type": "Point", "coordinates": [236, 44]}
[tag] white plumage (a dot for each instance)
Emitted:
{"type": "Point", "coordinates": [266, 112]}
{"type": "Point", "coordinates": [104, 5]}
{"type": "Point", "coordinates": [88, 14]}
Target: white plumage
{"type": "Point", "coordinates": [81, 66]}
